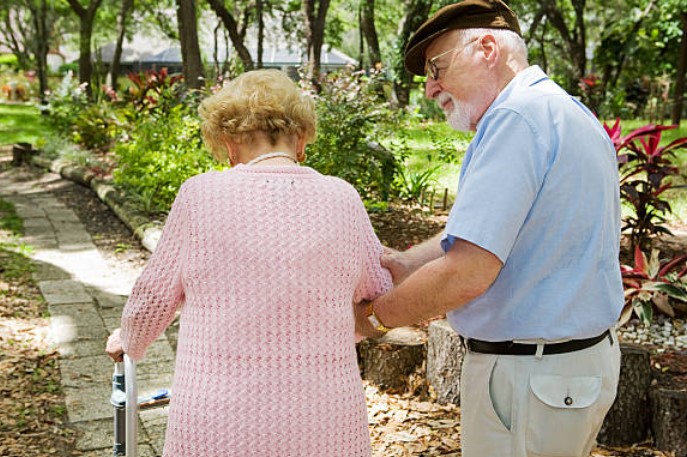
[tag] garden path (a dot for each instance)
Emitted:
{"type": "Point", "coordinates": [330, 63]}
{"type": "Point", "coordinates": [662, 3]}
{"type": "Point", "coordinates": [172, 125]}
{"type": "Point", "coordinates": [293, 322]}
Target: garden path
{"type": "Point", "coordinates": [85, 296]}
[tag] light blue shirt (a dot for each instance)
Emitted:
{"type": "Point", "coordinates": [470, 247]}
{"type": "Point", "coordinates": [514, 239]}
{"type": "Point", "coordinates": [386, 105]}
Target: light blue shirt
{"type": "Point", "coordinates": [539, 189]}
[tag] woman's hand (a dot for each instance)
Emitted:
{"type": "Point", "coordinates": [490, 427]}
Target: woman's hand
{"type": "Point", "coordinates": [114, 347]}
{"type": "Point", "coordinates": [398, 264]}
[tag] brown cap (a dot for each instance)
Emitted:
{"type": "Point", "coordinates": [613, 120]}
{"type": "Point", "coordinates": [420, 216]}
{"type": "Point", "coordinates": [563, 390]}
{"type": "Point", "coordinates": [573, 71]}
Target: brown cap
{"type": "Point", "coordinates": [468, 14]}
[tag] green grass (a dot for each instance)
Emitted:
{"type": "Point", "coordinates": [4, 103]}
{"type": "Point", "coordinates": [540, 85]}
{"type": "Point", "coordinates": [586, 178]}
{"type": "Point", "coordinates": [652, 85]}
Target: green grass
{"type": "Point", "coordinates": [21, 123]}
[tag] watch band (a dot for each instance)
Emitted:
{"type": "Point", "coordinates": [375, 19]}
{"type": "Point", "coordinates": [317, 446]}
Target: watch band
{"type": "Point", "coordinates": [374, 320]}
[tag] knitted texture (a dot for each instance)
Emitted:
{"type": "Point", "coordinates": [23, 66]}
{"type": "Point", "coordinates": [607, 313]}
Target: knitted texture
{"type": "Point", "coordinates": [267, 262]}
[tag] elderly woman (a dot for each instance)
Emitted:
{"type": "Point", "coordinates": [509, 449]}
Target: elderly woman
{"type": "Point", "coordinates": [267, 259]}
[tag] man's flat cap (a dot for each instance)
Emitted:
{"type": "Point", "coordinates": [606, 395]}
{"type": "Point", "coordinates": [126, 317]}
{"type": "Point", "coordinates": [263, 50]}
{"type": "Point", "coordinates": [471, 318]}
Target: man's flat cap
{"type": "Point", "coordinates": [468, 14]}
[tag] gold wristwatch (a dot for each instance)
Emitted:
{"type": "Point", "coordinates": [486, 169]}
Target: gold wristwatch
{"type": "Point", "coordinates": [374, 320]}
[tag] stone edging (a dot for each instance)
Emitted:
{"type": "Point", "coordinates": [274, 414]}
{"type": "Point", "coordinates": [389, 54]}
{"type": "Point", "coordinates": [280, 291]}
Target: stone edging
{"type": "Point", "coordinates": [146, 231]}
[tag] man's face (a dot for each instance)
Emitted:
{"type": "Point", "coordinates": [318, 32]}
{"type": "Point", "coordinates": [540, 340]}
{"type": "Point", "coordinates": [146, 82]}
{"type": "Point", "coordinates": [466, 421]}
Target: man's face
{"type": "Point", "coordinates": [462, 88]}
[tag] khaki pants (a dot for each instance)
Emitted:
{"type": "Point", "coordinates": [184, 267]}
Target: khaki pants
{"type": "Point", "coordinates": [525, 406]}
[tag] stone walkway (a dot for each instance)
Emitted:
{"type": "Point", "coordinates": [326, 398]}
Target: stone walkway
{"type": "Point", "coordinates": [85, 298]}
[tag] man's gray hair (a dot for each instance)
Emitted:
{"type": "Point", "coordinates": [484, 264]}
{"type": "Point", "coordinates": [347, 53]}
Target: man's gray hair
{"type": "Point", "coordinates": [505, 38]}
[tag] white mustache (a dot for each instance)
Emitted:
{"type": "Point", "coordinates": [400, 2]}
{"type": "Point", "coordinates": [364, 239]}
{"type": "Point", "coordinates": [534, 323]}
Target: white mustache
{"type": "Point", "coordinates": [443, 97]}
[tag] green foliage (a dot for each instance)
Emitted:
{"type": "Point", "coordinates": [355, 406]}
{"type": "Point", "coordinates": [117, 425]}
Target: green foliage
{"type": "Point", "coordinates": [351, 115]}
{"type": "Point", "coordinates": [97, 127]}
{"type": "Point", "coordinates": [164, 149]}
{"type": "Point", "coordinates": [65, 68]}
{"type": "Point", "coordinates": [55, 146]}
{"type": "Point", "coordinates": [66, 103]}
{"type": "Point", "coordinates": [92, 125]}
{"type": "Point", "coordinates": [9, 60]}
{"type": "Point", "coordinates": [412, 185]}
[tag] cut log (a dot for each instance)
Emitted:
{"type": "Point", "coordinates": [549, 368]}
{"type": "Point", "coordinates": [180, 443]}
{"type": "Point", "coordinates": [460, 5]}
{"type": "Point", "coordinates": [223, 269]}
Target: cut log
{"type": "Point", "coordinates": [444, 359]}
{"type": "Point", "coordinates": [387, 361]}
{"type": "Point", "coordinates": [20, 153]}
{"type": "Point", "coordinates": [628, 420]}
{"type": "Point", "coordinates": [669, 419]}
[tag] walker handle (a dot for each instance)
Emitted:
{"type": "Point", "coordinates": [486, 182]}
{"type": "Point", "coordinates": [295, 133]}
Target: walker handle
{"type": "Point", "coordinates": [131, 407]}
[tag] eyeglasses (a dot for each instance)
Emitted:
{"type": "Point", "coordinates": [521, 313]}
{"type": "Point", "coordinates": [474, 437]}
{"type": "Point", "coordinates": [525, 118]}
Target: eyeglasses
{"type": "Point", "coordinates": [431, 66]}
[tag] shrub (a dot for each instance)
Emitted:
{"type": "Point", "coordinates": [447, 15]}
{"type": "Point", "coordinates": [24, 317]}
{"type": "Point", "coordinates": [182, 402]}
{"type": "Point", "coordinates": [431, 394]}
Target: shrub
{"type": "Point", "coordinates": [163, 151]}
{"type": "Point", "coordinates": [154, 91]}
{"type": "Point", "coordinates": [351, 115]}
{"type": "Point", "coordinates": [9, 60]}
{"type": "Point", "coordinates": [96, 127]}
{"type": "Point", "coordinates": [66, 68]}
{"type": "Point", "coordinates": [66, 103]}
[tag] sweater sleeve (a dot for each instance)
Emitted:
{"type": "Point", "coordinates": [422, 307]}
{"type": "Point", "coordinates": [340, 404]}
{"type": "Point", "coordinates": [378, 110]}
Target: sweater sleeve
{"type": "Point", "coordinates": [374, 280]}
{"type": "Point", "coordinates": [158, 291]}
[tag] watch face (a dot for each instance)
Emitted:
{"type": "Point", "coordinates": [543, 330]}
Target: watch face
{"type": "Point", "coordinates": [374, 321]}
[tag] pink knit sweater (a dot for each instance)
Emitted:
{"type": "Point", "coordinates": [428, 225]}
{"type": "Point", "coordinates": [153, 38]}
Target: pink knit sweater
{"type": "Point", "coordinates": [266, 262]}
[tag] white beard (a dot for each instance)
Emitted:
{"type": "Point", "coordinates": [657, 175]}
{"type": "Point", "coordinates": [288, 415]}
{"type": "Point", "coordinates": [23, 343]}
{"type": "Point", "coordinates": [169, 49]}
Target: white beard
{"type": "Point", "coordinates": [458, 117]}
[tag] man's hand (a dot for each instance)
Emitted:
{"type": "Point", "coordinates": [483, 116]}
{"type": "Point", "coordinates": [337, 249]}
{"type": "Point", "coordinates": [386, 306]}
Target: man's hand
{"type": "Point", "coordinates": [114, 347]}
{"type": "Point", "coordinates": [398, 264]}
{"type": "Point", "coordinates": [363, 327]}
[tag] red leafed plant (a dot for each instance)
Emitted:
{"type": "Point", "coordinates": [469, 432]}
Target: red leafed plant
{"type": "Point", "coordinates": [151, 88]}
{"type": "Point", "coordinates": [645, 175]}
{"type": "Point", "coordinates": [652, 283]}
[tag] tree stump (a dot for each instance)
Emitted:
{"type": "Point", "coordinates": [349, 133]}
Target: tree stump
{"type": "Point", "coordinates": [627, 422]}
{"type": "Point", "coordinates": [20, 153]}
{"type": "Point", "coordinates": [444, 359]}
{"type": "Point", "coordinates": [669, 419]}
{"type": "Point", "coordinates": [388, 360]}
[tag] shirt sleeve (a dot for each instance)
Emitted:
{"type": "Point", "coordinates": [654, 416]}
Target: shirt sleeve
{"type": "Point", "coordinates": [499, 185]}
{"type": "Point", "coordinates": [158, 291]}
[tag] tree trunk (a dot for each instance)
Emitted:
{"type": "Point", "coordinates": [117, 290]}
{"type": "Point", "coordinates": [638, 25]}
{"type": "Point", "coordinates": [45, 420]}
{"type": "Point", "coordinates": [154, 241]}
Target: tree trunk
{"type": "Point", "coordinates": [388, 361]}
{"type": "Point", "coordinates": [669, 424]}
{"type": "Point", "coordinates": [232, 28]}
{"type": "Point", "coordinates": [261, 30]}
{"type": "Point", "coordinates": [574, 39]}
{"type": "Point", "coordinates": [190, 49]}
{"type": "Point", "coordinates": [86, 19]}
{"type": "Point", "coordinates": [40, 13]}
{"type": "Point", "coordinates": [444, 360]}
{"type": "Point", "coordinates": [127, 5]}
{"type": "Point", "coordinates": [416, 12]}
{"type": "Point", "coordinates": [680, 76]}
{"type": "Point", "coordinates": [315, 13]}
{"type": "Point", "coordinates": [367, 26]}
{"type": "Point", "coordinates": [627, 422]}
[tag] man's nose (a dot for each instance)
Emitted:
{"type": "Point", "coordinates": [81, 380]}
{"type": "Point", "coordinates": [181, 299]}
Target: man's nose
{"type": "Point", "coordinates": [432, 88]}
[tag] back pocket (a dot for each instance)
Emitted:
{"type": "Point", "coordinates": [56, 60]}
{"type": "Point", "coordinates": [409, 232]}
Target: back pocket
{"type": "Point", "coordinates": [564, 414]}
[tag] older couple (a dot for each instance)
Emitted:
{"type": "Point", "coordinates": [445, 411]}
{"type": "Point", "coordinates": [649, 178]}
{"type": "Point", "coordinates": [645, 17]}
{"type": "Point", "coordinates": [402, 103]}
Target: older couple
{"type": "Point", "coordinates": [273, 263]}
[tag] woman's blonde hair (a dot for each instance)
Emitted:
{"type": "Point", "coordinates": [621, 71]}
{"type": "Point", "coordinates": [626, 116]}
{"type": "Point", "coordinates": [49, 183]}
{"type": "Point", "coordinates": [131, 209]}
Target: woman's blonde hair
{"type": "Point", "coordinates": [264, 102]}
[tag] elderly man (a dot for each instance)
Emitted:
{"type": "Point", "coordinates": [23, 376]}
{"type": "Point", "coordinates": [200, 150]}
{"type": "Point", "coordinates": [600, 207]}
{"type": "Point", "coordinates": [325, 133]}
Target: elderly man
{"type": "Point", "coordinates": [527, 267]}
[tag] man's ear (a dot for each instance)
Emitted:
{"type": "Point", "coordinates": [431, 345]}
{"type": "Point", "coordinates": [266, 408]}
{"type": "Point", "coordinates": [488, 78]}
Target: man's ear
{"type": "Point", "coordinates": [489, 49]}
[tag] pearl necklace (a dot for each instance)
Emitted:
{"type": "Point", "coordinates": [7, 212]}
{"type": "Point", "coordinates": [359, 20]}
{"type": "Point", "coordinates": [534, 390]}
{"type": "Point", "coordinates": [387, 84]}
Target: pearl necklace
{"type": "Point", "coordinates": [271, 155]}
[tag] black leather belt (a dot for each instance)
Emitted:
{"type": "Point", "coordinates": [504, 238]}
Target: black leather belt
{"type": "Point", "coordinates": [512, 348]}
